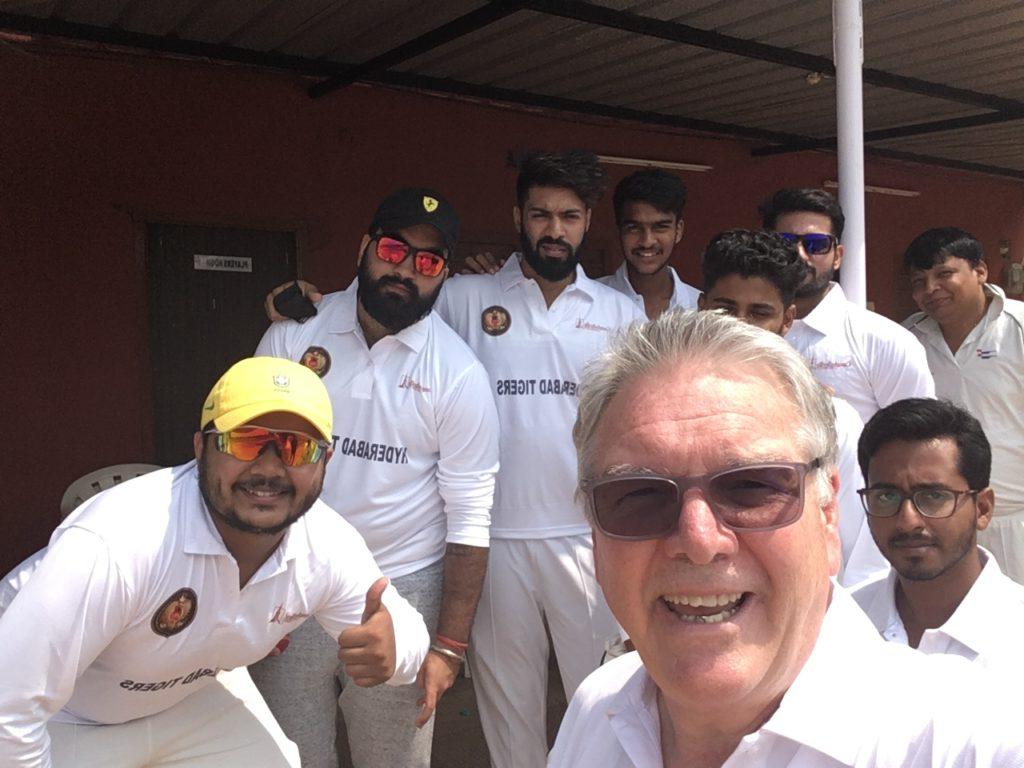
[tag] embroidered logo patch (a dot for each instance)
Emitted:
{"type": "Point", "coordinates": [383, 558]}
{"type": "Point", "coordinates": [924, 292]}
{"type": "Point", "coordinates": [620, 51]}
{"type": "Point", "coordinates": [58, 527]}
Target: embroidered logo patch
{"type": "Point", "coordinates": [429, 204]}
{"type": "Point", "coordinates": [317, 360]}
{"type": "Point", "coordinates": [985, 354]}
{"type": "Point", "coordinates": [495, 320]}
{"type": "Point", "coordinates": [176, 613]}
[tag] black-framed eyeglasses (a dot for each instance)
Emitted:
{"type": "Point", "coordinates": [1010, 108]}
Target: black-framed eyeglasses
{"type": "Point", "coordinates": [814, 243]}
{"type": "Point", "coordinates": [929, 502]}
{"type": "Point", "coordinates": [755, 497]}
{"type": "Point", "coordinates": [394, 250]}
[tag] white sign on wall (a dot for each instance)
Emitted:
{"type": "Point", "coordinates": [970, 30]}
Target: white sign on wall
{"type": "Point", "coordinates": [212, 263]}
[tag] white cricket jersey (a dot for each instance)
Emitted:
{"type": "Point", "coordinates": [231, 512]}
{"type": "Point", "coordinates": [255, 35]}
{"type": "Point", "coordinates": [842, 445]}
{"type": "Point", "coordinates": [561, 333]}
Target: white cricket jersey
{"type": "Point", "coordinates": [867, 359]}
{"type": "Point", "coordinates": [534, 355]}
{"type": "Point", "coordinates": [857, 702]}
{"type": "Point", "coordinates": [987, 627]}
{"type": "Point", "coordinates": [136, 604]}
{"type": "Point", "coordinates": [417, 430]}
{"type": "Point", "coordinates": [861, 558]}
{"type": "Point", "coordinates": [684, 296]}
{"type": "Point", "coordinates": [11, 584]}
{"type": "Point", "coordinates": [986, 377]}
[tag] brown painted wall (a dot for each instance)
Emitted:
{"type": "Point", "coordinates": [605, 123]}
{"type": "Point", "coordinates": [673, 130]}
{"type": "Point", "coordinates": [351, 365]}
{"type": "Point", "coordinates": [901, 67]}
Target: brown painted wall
{"type": "Point", "coordinates": [92, 146]}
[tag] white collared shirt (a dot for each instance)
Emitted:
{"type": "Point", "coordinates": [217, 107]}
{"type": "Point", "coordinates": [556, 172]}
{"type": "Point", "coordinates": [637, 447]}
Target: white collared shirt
{"type": "Point", "coordinates": [684, 296]}
{"type": "Point", "coordinates": [986, 377]}
{"type": "Point", "coordinates": [417, 448]}
{"type": "Point", "coordinates": [534, 365]}
{"type": "Point", "coordinates": [861, 558]}
{"type": "Point", "coordinates": [856, 703]}
{"type": "Point", "coordinates": [987, 626]}
{"type": "Point", "coordinates": [866, 359]}
{"type": "Point", "coordinates": [12, 583]}
{"type": "Point", "coordinates": [96, 636]}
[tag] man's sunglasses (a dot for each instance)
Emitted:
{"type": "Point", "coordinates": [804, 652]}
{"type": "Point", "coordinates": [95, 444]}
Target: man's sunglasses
{"type": "Point", "coordinates": [756, 497]}
{"type": "Point", "coordinates": [247, 443]}
{"type": "Point", "coordinates": [394, 250]}
{"type": "Point", "coordinates": [814, 243]}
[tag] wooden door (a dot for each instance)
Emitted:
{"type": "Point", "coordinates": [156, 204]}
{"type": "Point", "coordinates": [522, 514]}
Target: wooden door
{"type": "Point", "coordinates": [206, 287]}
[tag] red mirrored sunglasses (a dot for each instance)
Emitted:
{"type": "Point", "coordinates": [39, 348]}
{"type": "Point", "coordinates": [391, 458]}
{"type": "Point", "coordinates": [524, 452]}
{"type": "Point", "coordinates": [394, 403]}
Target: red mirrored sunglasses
{"type": "Point", "coordinates": [394, 250]}
{"type": "Point", "coordinates": [247, 443]}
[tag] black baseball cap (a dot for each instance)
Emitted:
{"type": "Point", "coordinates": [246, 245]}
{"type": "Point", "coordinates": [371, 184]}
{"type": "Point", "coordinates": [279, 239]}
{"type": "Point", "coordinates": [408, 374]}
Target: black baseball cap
{"type": "Point", "coordinates": [417, 205]}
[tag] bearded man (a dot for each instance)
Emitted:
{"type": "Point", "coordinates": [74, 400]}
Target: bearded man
{"type": "Point", "coordinates": [128, 636]}
{"type": "Point", "coordinates": [413, 472]}
{"type": "Point", "coordinates": [534, 325]}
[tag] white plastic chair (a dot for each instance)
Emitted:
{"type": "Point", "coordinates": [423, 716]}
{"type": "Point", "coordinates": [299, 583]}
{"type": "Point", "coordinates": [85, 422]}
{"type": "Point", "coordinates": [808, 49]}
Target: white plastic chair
{"type": "Point", "coordinates": [80, 490]}
{"type": "Point", "coordinates": [89, 485]}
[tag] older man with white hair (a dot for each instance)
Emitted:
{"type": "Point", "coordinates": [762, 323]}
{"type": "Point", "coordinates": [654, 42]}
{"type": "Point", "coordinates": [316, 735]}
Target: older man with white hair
{"type": "Point", "coordinates": [707, 460]}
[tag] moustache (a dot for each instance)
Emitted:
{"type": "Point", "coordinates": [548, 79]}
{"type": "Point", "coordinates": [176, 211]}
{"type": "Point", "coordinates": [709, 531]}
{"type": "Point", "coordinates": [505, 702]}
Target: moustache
{"type": "Point", "coordinates": [908, 540]}
{"type": "Point", "coordinates": [555, 242]}
{"type": "Point", "coordinates": [268, 485]}
{"type": "Point", "coordinates": [405, 282]}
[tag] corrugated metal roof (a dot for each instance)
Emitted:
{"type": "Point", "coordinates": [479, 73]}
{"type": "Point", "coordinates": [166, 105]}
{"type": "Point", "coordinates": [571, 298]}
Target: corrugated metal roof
{"type": "Point", "coordinates": [541, 54]}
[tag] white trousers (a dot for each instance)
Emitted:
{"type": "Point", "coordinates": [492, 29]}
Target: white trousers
{"type": "Point", "coordinates": [530, 582]}
{"type": "Point", "coordinates": [223, 725]}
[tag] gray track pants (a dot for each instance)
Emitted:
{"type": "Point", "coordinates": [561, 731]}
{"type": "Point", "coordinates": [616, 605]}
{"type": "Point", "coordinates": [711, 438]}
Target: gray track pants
{"type": "Point", "coordinates": [301, 688]}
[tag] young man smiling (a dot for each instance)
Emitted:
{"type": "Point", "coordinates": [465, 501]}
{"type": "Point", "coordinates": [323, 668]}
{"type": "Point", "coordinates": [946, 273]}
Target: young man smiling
{"type": "Point", "coordinates": [648, 208]}
{"type": "Point", "coordinates": [974, 338]}
{"type": "Point", "coordinates": [147, 590]}
{"type": "Point", "coordinates": [927, 465]}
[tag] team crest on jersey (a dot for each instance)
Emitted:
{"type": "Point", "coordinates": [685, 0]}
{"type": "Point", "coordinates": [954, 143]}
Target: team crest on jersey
{"type": "Point", "coordinates": [176, 613]}
{"type": "Point", "coordinates": [317, 360]}
{"type": "Point", "coordinates": [429, 204]}
{"type": "Point", "coordinates": [495, 320]}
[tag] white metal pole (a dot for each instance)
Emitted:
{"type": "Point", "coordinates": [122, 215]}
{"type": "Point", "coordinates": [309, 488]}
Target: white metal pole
{"type": "Point", "coordinates": [848, 51]}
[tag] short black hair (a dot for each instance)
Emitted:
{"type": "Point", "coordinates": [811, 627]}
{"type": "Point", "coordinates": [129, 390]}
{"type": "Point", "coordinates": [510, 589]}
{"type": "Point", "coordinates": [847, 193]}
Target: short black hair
{"type": "Point", "coordinates": [575, 169]}
{"type": "Point", "coordinates": [917, 419]}
{"type": "Point", "coordinates": [660, 189]}
{"type": "Point", "coordinates": [748, 253]}
{"type": "Point", "coordinates": [795, 200]}
{"type": "Point", "coordinates": [936, 245]}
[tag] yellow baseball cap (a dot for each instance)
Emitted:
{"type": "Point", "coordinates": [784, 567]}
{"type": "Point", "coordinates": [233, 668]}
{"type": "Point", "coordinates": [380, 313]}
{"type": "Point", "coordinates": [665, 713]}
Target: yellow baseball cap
{"type": "Point", "coordinates": [259, 385]}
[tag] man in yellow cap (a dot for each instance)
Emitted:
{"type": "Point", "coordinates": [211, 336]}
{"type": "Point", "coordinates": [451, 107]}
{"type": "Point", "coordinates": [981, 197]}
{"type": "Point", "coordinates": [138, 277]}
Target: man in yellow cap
{"type": "Point", "coordinates": [148, 590]}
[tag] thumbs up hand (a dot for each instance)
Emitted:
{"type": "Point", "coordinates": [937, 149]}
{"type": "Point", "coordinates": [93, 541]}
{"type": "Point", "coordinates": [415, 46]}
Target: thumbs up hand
{"type": "Point", "coordinates": [368, 651]}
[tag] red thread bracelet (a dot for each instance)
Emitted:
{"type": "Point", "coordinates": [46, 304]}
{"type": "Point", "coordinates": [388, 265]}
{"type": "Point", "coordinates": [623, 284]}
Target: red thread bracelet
{"type": "Point", "coordinates": [452, 643]}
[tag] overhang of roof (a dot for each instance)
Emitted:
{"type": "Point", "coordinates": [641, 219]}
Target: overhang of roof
{"type": "Point", "coordinates": [943, 83]}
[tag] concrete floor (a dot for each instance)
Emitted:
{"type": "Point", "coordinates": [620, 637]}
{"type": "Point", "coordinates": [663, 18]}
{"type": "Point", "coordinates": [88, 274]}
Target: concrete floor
{"type": "Point", "coordinates": [458, 736]}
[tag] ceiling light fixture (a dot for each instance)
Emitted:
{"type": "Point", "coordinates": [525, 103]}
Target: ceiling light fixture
{"type": "Point", "coordinates": [642, 163]}
{"type": "Point", "coordinates": [830, 184]}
